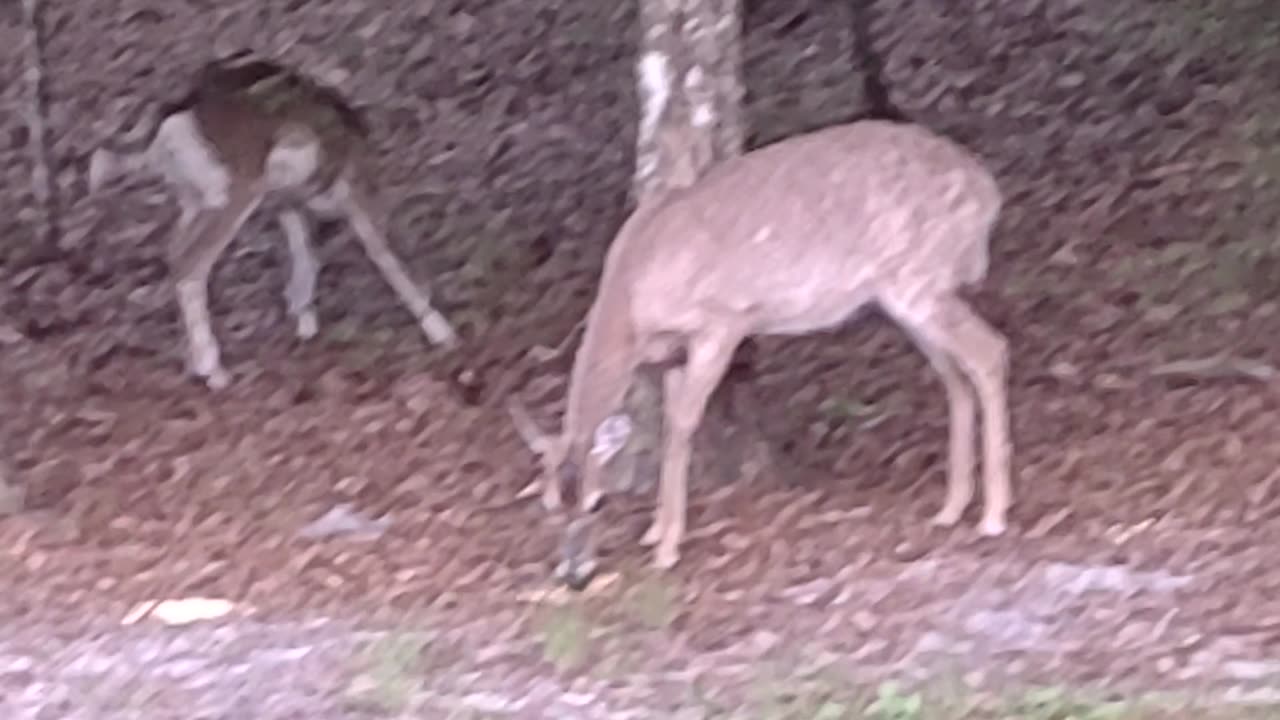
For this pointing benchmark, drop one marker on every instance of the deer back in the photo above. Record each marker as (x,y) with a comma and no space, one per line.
(793,236)
(243,108)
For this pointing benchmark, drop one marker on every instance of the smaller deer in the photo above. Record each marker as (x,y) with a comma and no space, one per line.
(788,239)
(249,129)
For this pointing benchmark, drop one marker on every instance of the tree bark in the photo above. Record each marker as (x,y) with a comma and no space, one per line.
(690,85)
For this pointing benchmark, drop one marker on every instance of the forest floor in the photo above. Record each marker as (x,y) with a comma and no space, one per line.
(1136,579)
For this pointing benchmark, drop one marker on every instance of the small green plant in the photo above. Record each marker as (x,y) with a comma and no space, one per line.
(892,703)
(566,638)
(781,702)
(391,673)
(782,693)
(1055,703)
(864,415)
(653,602)
(832,710)
(341,332)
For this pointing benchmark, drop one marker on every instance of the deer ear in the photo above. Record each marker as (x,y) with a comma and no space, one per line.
(610,437)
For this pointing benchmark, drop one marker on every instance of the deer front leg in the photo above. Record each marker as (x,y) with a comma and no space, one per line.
(299,293)
(686,391)
(672,381)
(202,237)
(361,213)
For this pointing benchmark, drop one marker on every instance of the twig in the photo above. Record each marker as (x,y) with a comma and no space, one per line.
(1217,366)
(539,354)
(526,428)
(542,353)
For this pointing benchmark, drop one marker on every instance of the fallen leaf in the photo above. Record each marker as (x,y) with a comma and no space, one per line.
(342,519)
(10,336)
(179,612)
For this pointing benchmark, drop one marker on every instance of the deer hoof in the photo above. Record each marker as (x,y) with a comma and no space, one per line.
(308,325)
(438,330)
(947,517)
(217,380)
(993,526)
(666,557)
(551,501)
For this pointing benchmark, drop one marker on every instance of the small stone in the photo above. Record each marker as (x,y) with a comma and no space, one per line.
(764,641)
(865,621)
(1071,80)
(1064,369)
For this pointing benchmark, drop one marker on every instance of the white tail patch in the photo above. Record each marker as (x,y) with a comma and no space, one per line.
(186,158)
(293,159)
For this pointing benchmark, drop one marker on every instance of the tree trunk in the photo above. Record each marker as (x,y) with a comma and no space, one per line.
(689,76)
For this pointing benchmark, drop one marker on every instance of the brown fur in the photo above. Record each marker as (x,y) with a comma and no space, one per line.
(790,239)
(248,129)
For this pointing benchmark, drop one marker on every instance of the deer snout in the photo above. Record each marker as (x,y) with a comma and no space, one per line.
(578,565)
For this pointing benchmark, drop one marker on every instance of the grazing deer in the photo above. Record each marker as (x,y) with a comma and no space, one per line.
(248,129)
(789,239)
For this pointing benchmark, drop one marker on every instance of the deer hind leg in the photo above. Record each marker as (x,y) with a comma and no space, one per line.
(304,266)
(963,414)
(368,225)
(686,391)
(203,236)
(949,326)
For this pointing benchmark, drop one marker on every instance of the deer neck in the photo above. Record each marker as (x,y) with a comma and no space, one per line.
(601,369)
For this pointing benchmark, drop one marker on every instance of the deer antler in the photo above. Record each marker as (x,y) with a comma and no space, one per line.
(538,441)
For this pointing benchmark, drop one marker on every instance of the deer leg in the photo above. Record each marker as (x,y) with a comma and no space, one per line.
(300,292)
(551,495)
(963,413)
(686,391)
(202,237)
(952,327)
(362,216)
(672,382)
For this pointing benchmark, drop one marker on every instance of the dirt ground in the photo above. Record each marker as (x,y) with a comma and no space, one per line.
(1134,272)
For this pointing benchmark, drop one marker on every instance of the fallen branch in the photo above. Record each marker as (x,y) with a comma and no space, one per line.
(1217,366)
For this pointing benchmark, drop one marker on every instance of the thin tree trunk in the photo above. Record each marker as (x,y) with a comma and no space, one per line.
(689,77)
(34,75)
(868,61)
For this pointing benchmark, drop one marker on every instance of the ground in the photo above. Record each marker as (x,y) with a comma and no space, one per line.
(1133,272)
